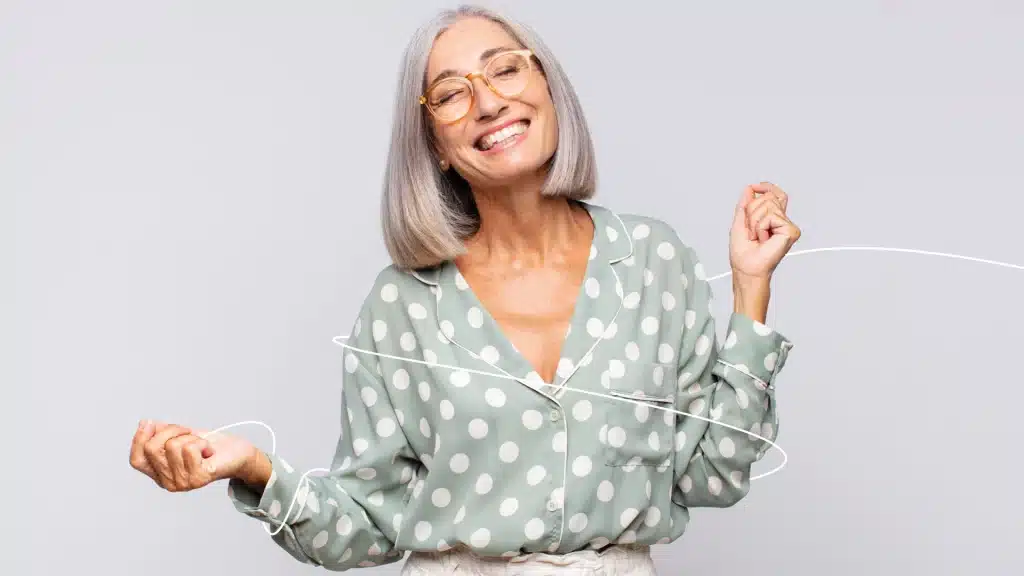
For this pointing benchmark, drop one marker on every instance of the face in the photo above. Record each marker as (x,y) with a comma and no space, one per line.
(501,139)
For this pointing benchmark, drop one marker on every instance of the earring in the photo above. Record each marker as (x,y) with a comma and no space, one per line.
(444,165)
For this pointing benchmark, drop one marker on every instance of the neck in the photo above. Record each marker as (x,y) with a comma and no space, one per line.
(521,228)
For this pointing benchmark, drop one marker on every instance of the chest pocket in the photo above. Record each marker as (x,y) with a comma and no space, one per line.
(639,431)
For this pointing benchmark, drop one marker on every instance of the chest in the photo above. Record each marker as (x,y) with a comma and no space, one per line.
(534,310)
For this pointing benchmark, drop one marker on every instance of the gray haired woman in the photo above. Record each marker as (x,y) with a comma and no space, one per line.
(533,385)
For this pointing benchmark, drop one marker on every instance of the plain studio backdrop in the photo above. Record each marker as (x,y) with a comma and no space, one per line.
(195,191)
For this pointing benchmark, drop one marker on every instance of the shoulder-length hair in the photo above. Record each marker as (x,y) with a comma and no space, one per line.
(426,213)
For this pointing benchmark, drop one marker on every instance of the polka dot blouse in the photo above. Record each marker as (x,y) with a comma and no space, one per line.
(429,458)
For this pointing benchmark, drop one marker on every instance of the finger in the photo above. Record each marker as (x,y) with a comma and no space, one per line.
(156,452)
(137,455)
(192,457)
(174,449)
(758,214)
(770,222)
(746,198)
(773,190)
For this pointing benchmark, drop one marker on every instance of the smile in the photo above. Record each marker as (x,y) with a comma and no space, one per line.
(503,138)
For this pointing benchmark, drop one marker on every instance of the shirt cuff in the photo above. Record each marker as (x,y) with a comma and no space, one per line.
(277,496)
(754,348)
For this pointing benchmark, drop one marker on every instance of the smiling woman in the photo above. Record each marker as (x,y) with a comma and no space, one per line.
(502,265)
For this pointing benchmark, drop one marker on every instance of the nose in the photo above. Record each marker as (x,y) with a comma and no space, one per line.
(488,104)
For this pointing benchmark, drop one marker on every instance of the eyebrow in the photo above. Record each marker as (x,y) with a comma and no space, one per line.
(484,57)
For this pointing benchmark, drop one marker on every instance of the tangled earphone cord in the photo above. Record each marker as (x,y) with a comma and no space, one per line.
(785,457)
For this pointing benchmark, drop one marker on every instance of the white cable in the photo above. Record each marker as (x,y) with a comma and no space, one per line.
(785,457)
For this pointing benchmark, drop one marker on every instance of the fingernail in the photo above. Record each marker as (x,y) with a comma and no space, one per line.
(142,424)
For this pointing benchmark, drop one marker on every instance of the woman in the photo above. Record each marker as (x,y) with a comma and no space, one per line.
(509,292)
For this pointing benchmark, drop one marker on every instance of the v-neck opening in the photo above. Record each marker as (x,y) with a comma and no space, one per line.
(578,309)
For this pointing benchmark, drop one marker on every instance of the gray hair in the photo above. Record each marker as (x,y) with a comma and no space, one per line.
(426,213)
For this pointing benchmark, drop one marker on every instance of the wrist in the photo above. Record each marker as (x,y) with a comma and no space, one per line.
(256,470)
(751,295)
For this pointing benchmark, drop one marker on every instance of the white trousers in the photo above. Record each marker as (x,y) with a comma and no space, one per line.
(621,560)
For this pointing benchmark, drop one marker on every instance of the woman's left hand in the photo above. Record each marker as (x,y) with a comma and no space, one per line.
(761,233)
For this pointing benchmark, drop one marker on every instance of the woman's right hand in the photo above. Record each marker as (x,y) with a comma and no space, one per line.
(179,459)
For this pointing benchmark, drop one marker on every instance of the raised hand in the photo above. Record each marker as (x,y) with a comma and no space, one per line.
(761,232)
(180,459)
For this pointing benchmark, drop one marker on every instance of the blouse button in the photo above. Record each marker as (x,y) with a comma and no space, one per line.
(555,415)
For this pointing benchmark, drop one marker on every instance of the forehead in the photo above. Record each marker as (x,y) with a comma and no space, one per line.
(460,46)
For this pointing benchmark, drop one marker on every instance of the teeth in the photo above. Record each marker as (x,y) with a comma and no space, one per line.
(488,141)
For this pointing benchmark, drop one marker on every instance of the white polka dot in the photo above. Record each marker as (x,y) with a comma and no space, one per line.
(275,508)
(443,546)
(605,491)
(508,452)
(648,277)
(665,353)
(641,231)
(602,434)
(760,329)
(459,378)
(385,427)
(653,517)
(696,407)
(714,485)
(480,538)
(649,325)
(666,251)
(613,234)
(582,410)
(616,437)
(508,507)
(460,515)
(702,345)
(400,379)
(595,327)
(727,448)
(627,537)
(632,351)
(380,330)
(475,317)
(490,354)
(686,484)
(582,466)
(344,525)
(593,252)
(736,477)
(627,516)
(423,529)
(642,413)
(680,440)
(536,475)
(376,498)
(495,397)
(429,356)
(447,330)
(535,527)
(599,542)
(668,301)
(359,445)
(460,281)
(477,428)
(417,311)
(351,363)
(769,361)
(320,539)
(631,301)
(654,442)
(741,398)
(698,271)
(730,340)
(532,419)
(592,287)
(425,427)
(766,430)
(669,417)
(484,484)
(389,293)
(610,331)
(558,441)
(447,409)
(578,523)
(616,369)
(424,391)
(459,463)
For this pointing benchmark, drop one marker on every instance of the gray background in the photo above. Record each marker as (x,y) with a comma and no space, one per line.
(195,190)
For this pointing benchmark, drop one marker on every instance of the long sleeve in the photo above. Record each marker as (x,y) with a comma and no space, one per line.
(731,384)
(351,515)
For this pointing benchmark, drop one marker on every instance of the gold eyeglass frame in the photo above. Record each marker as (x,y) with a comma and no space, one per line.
(468,79)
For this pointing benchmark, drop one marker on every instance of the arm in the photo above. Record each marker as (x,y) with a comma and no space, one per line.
(732,384)
(350,516)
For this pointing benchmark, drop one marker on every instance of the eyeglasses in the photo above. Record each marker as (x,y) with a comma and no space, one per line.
(506,74)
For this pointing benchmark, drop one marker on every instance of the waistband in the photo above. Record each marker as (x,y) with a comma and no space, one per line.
(621,559)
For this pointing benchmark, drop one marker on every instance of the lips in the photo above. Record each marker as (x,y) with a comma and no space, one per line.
(503,136)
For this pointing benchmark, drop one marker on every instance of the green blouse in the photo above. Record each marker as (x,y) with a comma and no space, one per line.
(440,450)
